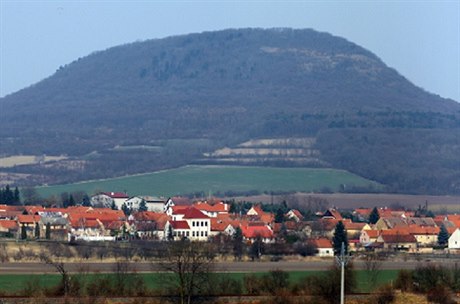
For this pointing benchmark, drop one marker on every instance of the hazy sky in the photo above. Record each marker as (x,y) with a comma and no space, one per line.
(420,39)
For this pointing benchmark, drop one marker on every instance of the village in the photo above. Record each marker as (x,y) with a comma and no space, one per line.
(114,216)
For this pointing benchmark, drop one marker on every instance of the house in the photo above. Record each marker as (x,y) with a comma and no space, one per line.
(323,227)
(362,214)
(425,235)
(85,228)
(8,228)
(106,199)
(10,212)
(179,229)
(454,240)
(253,231)
(152,203)
(212,210)
(198,222)
(354,229)
(219,226)
(368,236)
(323,247)
(148,224)
(176,201)
(385,223)
(397,240)
(332,214)
(255,210)
(53,225)
(295,215)
(28,223)
(95,224)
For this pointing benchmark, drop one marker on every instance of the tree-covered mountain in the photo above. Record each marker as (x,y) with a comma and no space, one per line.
(163,103)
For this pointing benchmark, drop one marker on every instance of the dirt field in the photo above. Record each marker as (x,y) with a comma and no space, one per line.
(351,201)
(11,161)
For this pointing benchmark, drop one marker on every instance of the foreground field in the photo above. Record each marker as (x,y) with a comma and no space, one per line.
(211,179)
(16,284)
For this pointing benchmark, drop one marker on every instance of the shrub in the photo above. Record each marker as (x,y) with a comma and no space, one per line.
(275,281)
(425,277)
(404,280)
(252,284)
(440,295)
(385,295)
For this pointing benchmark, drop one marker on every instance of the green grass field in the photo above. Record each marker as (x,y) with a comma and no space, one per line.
(16,284)
(210,179)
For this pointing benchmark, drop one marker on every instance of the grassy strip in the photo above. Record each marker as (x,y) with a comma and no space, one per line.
(192,179)
(12,284)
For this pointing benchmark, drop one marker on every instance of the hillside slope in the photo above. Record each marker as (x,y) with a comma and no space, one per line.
(192,94)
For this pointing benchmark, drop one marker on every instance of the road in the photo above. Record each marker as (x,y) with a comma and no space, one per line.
(37,268)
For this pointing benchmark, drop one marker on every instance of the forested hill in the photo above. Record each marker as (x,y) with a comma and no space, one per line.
(190,94)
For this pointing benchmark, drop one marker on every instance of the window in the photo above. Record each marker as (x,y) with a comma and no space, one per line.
(193,233)
(206,224)
(202,233)
(205,233)
(202,224)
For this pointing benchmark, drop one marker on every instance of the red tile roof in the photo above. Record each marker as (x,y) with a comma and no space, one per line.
(332,213)
(257,209)
(179,224)
(84,223)
(218,207)
(372,233)
(321,243)
(363,211)
(116,194)
(26,218)
(9,224)
(297,213)
(191,213)
(353,226)
(252,232)
(11,208)
(423,230)
(401,238)
(34,209)
(218,225)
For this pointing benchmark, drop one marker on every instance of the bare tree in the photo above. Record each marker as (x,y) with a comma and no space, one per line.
(373,265)
(60,267)
(191,264)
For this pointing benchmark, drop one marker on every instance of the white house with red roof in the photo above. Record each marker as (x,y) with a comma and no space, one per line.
(323,247)
(252,232)
(222,226)
(198,222)
(212,210)
(256,210)
(179,229)
(295,215)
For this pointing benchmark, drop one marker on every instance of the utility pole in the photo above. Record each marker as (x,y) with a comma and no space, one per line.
(342,260)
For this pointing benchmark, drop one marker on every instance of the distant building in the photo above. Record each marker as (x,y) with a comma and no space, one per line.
(153,203)
(106,199)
